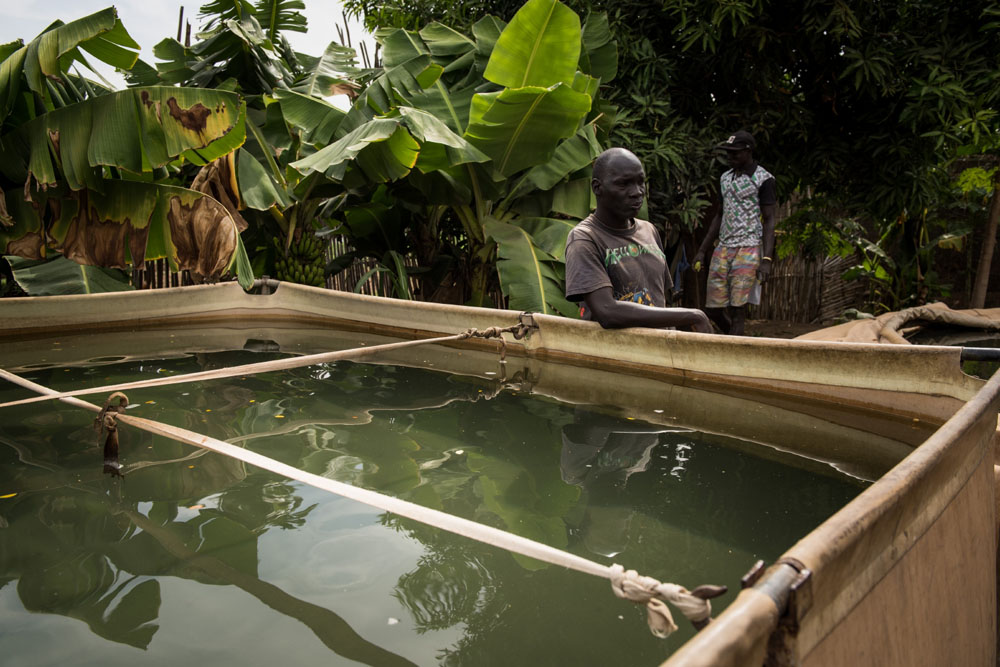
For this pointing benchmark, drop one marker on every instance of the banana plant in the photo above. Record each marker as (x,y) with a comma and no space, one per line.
(493,133)
(235,49)
(85,168)
(242,47)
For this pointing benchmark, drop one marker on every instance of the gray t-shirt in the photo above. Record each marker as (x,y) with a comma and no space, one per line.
(629,261)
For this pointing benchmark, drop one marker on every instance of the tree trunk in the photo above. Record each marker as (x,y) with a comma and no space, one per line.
(989,243)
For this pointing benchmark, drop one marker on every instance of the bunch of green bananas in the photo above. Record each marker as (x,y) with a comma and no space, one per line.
(304,262)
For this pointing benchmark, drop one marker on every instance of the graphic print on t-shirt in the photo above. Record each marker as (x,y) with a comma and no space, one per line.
(630,261)
(614,255)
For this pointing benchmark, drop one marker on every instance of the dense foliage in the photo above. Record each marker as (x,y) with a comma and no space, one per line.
(455,151)
(861,110)
(464,146)
(90,173)
(861,105)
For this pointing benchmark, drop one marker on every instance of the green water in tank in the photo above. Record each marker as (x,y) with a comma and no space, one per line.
(194,558)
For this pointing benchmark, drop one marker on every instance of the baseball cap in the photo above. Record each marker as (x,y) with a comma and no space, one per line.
(738,141)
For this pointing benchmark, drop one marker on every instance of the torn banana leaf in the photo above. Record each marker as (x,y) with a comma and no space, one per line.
(128,223)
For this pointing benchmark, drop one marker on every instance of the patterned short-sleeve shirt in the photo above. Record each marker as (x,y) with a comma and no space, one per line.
(741,223)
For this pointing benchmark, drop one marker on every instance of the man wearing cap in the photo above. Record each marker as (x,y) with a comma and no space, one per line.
(614,261)
(744,226)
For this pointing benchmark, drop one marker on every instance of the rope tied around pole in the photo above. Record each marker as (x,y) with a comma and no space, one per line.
(107,421)
(695,605)
(519,331)
(107,418)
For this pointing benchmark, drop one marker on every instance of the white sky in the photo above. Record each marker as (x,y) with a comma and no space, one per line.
(149,21)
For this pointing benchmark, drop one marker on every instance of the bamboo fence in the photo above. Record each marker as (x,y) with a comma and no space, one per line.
(158,275)
(800,289)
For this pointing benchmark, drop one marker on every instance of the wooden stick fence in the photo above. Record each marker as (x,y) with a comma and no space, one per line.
(157,275)
(803,289)
(799,290)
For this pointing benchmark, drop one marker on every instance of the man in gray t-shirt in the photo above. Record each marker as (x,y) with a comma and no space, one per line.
(630,261)
(615,264)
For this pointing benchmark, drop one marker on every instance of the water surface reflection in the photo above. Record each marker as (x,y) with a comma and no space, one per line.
(289,565)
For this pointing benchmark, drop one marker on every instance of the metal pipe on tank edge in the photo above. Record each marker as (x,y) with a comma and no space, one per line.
(981,354)
(757,619)
(265,284)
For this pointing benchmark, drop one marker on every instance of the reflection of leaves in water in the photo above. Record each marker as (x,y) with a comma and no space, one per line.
(284,504)
(53,547)
(264,501)
(531,507)
(448,587)
(124,613)
(208,533)
(379,427)
(462,583)
(456,582)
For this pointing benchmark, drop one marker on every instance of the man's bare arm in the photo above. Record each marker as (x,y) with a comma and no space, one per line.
(613,314)
(767,214)
(710,236)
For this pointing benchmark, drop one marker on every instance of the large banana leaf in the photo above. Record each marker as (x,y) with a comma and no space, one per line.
(386,149)
(395,158)
(52,53)
(8,49)
(126,224)
(256,187)
(572,155)
(102,131)
(539,47)
(599,56)
(327,73)
(586,84)
(400,83)
(530,277)
(433,133)
(316,119)
(62,276)
(278,15)
(549,234)
(399,46)
(450,106)
(521,127)
(487,31)
(227,142)
(237,50)
(444,41)
(420,81)
(273,15)
(574,198)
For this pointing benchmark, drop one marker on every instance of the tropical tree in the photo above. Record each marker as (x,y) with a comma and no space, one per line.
(88,172)
(989,182)
(242,48)
(483,141)
(860,104)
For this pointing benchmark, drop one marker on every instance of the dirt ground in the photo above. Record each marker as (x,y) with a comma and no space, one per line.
(779,328)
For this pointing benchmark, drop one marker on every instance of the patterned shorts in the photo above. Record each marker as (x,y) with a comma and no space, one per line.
(732,277)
